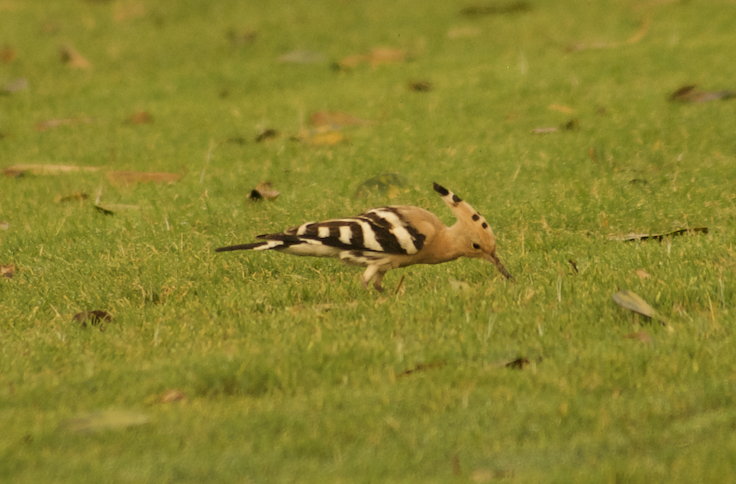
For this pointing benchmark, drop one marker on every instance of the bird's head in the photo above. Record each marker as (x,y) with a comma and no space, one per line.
(473,236)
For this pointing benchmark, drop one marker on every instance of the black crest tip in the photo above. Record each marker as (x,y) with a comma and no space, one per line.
(440,189)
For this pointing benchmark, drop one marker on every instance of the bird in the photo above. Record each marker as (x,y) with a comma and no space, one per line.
(390,237)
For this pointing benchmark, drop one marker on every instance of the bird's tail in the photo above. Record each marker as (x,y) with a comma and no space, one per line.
(252,246)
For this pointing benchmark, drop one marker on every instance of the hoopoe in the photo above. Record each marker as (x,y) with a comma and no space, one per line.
(390,237)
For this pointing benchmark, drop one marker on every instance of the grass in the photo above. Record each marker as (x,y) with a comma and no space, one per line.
(292,371)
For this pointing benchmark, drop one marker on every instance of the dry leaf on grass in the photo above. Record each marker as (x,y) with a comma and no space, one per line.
(263,191)
(560,108)
(634,236)
(111,208)
(302,57)
(7,271)
(642,274)
(376,57)
(456,470)
(55,123)
(142,117)
(422,367)
(689,94)
(173,395)
(634,39)
(518,364)
(420,86)
(18,84)
(129,177)
(35,169)
(336,119)
(389,185)
(7,54)
(482,476)
(104,420)
(128,10)
(71,57)
(267,134)
(96,317)
(320,137)
(633,302)
(571,125)
(642,336)
(4,225)
(74,197)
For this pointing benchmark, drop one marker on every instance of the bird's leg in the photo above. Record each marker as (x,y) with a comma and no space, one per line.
(377,281)
(369,273)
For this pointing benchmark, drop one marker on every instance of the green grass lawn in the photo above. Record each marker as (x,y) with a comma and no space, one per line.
(288,371)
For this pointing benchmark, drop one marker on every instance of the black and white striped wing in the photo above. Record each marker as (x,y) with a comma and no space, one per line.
(361,240)
(382,230)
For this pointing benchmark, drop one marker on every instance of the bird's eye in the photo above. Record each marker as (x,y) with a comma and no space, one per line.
(476,246)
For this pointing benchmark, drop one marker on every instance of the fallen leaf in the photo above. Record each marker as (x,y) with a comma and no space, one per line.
(352,61)
(387,184)
(7,54)
(12,172)
(382,55)
(240,38)
(336,119)
(422,367)
(634,39)
(19,84)
(634,236)
(15,170)
(572,125)
(376,57)
(642,336)
(263,191)
(689,94)
(74,197)
(642,274)
(55,123)
(103,210)
(173,395)
(456,470)
(552,129)
(71,57)
(128,177)
(518,363)
(95,318)
(142,117)
(111,208)
(631,301)
(128,10)
(324,139)
(481,476)
(4,225)
(513,7)
(104,420)
(266,135)
(7,271)
(561,108)
(302,57)
(420,86)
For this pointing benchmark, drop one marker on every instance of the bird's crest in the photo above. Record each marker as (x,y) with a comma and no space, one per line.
(464,212)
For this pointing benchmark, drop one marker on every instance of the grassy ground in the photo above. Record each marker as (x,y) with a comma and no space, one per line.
(291,371)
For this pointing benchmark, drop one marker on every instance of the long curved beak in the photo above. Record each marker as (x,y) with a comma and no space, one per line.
(493,259)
